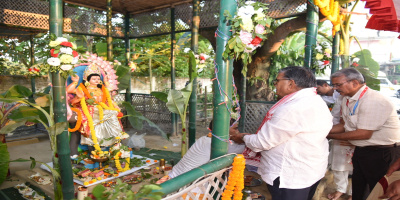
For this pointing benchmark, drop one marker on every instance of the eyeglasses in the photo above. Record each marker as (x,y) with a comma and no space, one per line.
(277,80)
(339,84)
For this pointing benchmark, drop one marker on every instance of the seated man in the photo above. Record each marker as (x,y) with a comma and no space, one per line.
(200,152)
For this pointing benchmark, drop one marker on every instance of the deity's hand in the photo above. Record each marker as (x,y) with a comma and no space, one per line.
(75,78)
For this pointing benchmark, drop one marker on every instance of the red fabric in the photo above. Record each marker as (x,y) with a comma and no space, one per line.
(384,15)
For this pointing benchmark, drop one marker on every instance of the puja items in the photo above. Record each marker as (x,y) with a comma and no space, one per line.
(28,193)
(82,192)
(39,179)
(84,173)
(162,164)
(133,179)
(96,173)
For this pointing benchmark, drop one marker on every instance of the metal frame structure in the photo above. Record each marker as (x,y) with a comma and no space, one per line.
(143,19)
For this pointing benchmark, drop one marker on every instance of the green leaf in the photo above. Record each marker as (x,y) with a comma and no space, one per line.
(28,113)
(124,76)
(101,49)
(98,191)
(57,128)
(18,91)
(4,164)
(178,100)
(11,126)
(33,164)
(161,96)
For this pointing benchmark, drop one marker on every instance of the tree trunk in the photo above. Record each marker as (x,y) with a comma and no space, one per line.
(259,67)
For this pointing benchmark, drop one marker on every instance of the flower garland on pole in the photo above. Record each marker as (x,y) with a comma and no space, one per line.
(323,58)
(63,56)
(331,10)
(249,28)
(235,183)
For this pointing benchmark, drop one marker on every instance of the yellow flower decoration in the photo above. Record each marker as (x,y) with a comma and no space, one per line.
(248,24)
(319,56)
(54,43)
(65,58)
(235,183)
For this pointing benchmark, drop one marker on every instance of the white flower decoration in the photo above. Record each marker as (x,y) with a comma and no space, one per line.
(54,61)
(74,60)
(66,50)
(319,48)
(61,39)
(125,154)
(356,59)
(66,67)
(246,11)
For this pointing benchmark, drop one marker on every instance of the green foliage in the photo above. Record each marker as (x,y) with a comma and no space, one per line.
(290,53)
(368,67)
(123,190)
(235,48)
(5,158)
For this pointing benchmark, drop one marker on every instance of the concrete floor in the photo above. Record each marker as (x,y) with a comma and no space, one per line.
(39,148)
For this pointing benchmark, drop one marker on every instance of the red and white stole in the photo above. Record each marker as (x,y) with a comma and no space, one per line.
(253,158)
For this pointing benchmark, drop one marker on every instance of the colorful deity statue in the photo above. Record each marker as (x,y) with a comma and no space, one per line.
(97,114)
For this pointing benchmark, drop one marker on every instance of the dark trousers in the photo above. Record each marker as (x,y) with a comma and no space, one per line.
(369,165)
(291,194)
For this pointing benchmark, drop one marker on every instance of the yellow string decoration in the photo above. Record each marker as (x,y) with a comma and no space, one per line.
(235,183)
(78,122)
(101,114)
(90,123)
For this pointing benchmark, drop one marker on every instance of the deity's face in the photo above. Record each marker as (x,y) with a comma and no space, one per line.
(94,80)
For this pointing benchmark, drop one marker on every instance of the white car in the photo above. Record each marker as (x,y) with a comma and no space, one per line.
(387,88)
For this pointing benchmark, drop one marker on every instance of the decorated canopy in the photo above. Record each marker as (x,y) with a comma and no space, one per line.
(385,15)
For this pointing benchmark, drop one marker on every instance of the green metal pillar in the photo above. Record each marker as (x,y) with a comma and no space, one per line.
(242,102)
(60,111)
(109,31)
(128,96)
(311,33)
(335,53)
(224,75)
(192,73)
(174,120)
(32,56)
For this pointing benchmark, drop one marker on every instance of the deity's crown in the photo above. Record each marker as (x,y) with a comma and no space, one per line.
(91,69)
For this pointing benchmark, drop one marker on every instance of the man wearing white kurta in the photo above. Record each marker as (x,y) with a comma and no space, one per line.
(292,138)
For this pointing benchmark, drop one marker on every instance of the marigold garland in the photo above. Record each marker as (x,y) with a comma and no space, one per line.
(101,113)
(118,163)
(79,120)
(235,183)
(90,123)
(331,9)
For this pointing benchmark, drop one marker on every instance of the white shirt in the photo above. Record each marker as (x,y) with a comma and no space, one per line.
(199,154)
(331,99)
(374,112)
(293,142)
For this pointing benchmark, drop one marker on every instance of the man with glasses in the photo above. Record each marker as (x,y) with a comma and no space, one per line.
(341,151)
(290,144)
(370,122)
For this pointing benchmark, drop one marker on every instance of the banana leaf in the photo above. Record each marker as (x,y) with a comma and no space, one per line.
(17,91)
(161,96)
(178,100)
